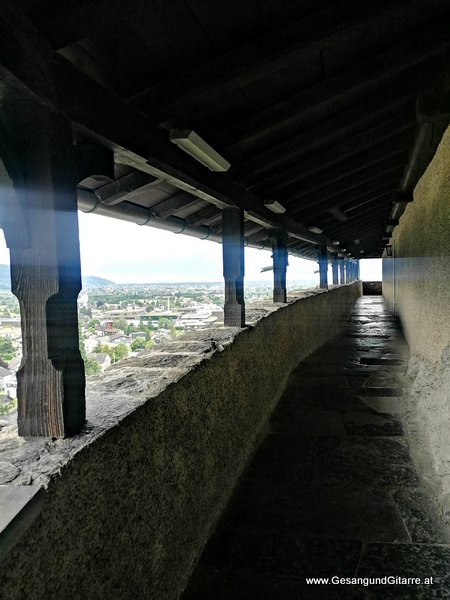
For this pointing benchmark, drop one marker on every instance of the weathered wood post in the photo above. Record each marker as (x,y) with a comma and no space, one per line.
(233,266)
(346,271)
(352,270)
(334,268)
(323,267)
(45,272)
(280,261)
(341,271)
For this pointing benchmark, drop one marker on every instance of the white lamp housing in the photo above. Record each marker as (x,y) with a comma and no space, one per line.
(274,206)
(313,229)
(193,144)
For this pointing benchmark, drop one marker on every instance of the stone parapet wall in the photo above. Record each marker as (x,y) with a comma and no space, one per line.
(130,503)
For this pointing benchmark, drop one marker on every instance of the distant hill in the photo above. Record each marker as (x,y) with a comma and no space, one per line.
(5,280)
(93,280)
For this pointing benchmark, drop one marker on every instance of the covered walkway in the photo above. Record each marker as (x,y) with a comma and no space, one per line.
(331,491)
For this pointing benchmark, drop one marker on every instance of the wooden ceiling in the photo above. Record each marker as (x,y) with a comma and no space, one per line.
(313,102)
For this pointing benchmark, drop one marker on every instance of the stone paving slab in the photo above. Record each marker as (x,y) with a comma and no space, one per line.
(343,512)
(382,462)
(310,423)
(407,560)
(284,456)
(290,556)
(419,515)
(246,584)
(367,423)
(332,489)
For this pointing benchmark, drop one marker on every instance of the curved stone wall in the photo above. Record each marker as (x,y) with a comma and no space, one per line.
(130,503)
(416,285)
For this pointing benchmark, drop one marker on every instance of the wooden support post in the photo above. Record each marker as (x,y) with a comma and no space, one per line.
(346,271)
(233,266)
(358,273)
(280,262)
(46,275)
(341,271)
(323,267)
(334,268)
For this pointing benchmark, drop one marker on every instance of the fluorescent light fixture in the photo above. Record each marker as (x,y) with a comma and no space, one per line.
(195,146)
(274,206)
(314,229)
(335,243)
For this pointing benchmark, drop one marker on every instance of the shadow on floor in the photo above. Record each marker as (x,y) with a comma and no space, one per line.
(331,491)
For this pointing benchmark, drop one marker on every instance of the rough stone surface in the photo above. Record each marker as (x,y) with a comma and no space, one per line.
(421,244)
(131,501)
(422,249)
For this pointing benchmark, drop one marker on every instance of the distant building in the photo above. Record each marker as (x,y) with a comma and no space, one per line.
(102,359)
(8,382)
(199,318)
(14,363)
(120,338)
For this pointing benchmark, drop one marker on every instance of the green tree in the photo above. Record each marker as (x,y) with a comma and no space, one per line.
(85,311)
(120,324)
(149,344)
(91,366)
(119,352)
(165,323)
(6,349)
(102,348)
(138,344)
(93,323)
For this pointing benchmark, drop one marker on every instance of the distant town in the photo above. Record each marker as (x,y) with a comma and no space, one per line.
(121,320)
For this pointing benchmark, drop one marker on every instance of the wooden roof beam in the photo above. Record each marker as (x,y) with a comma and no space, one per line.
(355,223)
(204,216)
(329,132)
(327,197)
(266,55)
(118,190)
(325,203)
(30,70)
(363,168)
(168,207)
(356,203)
(388,130)
(365,77)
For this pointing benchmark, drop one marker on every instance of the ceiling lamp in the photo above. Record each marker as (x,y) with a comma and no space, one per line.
(195,146)
(274,206)
(313,229)
(335,243)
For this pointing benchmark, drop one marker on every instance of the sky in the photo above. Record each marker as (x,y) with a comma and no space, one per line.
(128,253)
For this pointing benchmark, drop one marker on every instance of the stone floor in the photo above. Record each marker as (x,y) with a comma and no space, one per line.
(332,491)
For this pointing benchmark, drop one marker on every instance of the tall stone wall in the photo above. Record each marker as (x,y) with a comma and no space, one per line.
(416,285)
(130,504)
